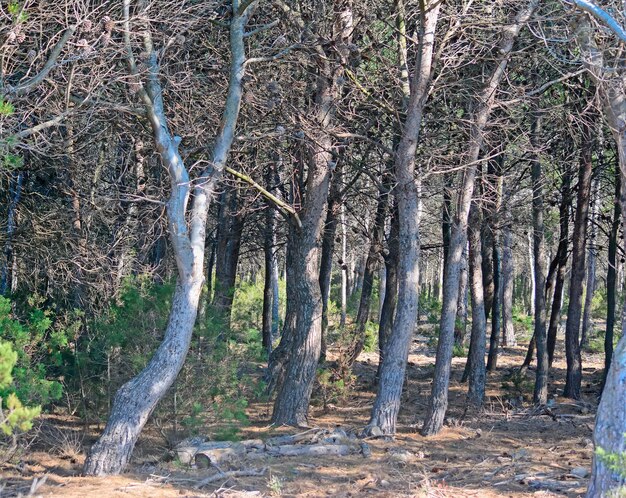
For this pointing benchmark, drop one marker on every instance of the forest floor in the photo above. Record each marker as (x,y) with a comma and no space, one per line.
(508,449)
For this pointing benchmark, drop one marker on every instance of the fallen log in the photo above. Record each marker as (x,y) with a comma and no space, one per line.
(227,475)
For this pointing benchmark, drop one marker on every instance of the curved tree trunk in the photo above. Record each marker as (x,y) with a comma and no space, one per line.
(136,399)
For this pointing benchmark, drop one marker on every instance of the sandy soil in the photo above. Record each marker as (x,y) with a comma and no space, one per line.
(508,449)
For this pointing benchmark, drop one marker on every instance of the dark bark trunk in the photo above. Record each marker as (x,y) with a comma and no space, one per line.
(460,326)
(476,357)
(371,266)
(487,265)
(495,168)
(229,232)
(611,275)
(388,309)
(15,192)
(294,362)
(574,310)
(540,395)
(561,257)
(326,263)
(590,285)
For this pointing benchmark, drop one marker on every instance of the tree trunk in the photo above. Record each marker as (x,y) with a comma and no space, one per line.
(388,309)
(561,256)
(533,279)
(540,395)
(15,192)
(438,402)
(393,367)
(136,399)
(574,310)
(476,357)
(507,287)
(611,278)
(496,314)
(460,326)
(373,258)
(591,267)
(294,363)
(328,247)
(229,232)
(270,291)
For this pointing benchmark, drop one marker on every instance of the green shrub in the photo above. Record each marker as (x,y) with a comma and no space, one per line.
(40,347)
(459,351)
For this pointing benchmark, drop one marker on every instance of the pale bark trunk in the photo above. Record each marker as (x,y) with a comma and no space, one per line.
(460,326)
(136,399)
(344,271)
(476,358)
(393,366)
(438,402)
(507,287)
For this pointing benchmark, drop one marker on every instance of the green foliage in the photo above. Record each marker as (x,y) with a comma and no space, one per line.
(371,337)
(14,416)
(518,384)
(6,108)
(39,346)
(214,385)
(17,13)
(523,321)
(332,386)
(431,307)
(459,351)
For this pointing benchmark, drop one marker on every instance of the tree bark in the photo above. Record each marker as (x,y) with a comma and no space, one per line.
(438,402)
(574,310)
(507,287)
(561,256)
(270,291)
(136,399)
(495,168)
(590,286)
(393,367)
(611,275)
(294,362)
(371,266)
(388,309)
(460,325)
(540,395)
(476,357)
(229,232)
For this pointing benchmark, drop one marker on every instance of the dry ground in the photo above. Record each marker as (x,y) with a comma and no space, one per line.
(509,449)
